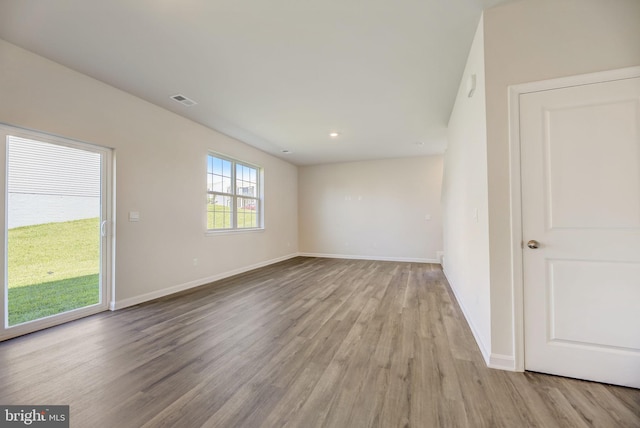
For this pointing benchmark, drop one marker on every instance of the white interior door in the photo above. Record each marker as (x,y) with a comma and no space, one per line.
(580,166)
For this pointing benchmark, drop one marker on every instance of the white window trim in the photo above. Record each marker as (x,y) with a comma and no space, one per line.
(234,197)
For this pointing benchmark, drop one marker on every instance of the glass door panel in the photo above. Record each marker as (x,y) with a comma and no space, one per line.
(55,231)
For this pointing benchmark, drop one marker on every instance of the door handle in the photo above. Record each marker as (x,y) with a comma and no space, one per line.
(533,244)
(103,228)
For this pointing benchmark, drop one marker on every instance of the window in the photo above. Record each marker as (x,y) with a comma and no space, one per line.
(233,195)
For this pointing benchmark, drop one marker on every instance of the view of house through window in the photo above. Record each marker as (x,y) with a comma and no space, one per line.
(233,194)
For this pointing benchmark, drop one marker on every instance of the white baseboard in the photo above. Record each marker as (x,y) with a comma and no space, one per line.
(377,258)
(486,353)
(502,362)
(131,301)
(492,360)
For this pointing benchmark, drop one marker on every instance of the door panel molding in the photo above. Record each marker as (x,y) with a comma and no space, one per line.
(517,278)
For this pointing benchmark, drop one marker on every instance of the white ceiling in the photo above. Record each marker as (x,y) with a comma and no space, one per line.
(277,74)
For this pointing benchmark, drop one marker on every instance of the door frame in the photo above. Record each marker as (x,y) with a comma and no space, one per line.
(107,241)
(515,186)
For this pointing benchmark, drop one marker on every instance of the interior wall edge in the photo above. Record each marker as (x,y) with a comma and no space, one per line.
(484,350)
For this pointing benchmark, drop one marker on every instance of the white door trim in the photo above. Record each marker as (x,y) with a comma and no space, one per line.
(517,281)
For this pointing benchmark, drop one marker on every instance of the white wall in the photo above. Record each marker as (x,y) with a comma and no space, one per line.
(534,40)
(464,192)
(160,172)
(372,209)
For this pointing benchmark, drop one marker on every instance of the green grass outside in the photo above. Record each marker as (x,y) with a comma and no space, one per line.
(40,300)
(216,218)
(53,268)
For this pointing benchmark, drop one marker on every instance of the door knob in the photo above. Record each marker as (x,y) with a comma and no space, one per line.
(533,244)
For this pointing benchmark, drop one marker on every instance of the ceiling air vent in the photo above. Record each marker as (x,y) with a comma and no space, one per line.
(183,100)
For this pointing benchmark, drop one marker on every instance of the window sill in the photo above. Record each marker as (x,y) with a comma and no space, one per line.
(233,231)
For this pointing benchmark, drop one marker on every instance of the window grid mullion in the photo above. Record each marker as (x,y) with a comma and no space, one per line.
(234,213)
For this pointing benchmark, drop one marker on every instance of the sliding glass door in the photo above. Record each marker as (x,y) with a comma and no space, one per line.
(57,231)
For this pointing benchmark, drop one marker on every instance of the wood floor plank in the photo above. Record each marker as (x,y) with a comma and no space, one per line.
(308,342)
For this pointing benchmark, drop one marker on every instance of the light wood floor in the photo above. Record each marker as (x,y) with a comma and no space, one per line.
(303,343)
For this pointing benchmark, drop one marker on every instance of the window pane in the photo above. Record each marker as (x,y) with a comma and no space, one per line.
(216,184)
(219,175)
(245,188)
(247,213)
(226,185)
(219,210)
(217,165)
(246,181)
(226,168)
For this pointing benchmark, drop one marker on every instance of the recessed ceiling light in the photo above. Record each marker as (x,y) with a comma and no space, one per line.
(419,143)
(334,134)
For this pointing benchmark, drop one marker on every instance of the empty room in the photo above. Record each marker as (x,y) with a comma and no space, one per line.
(303,214)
